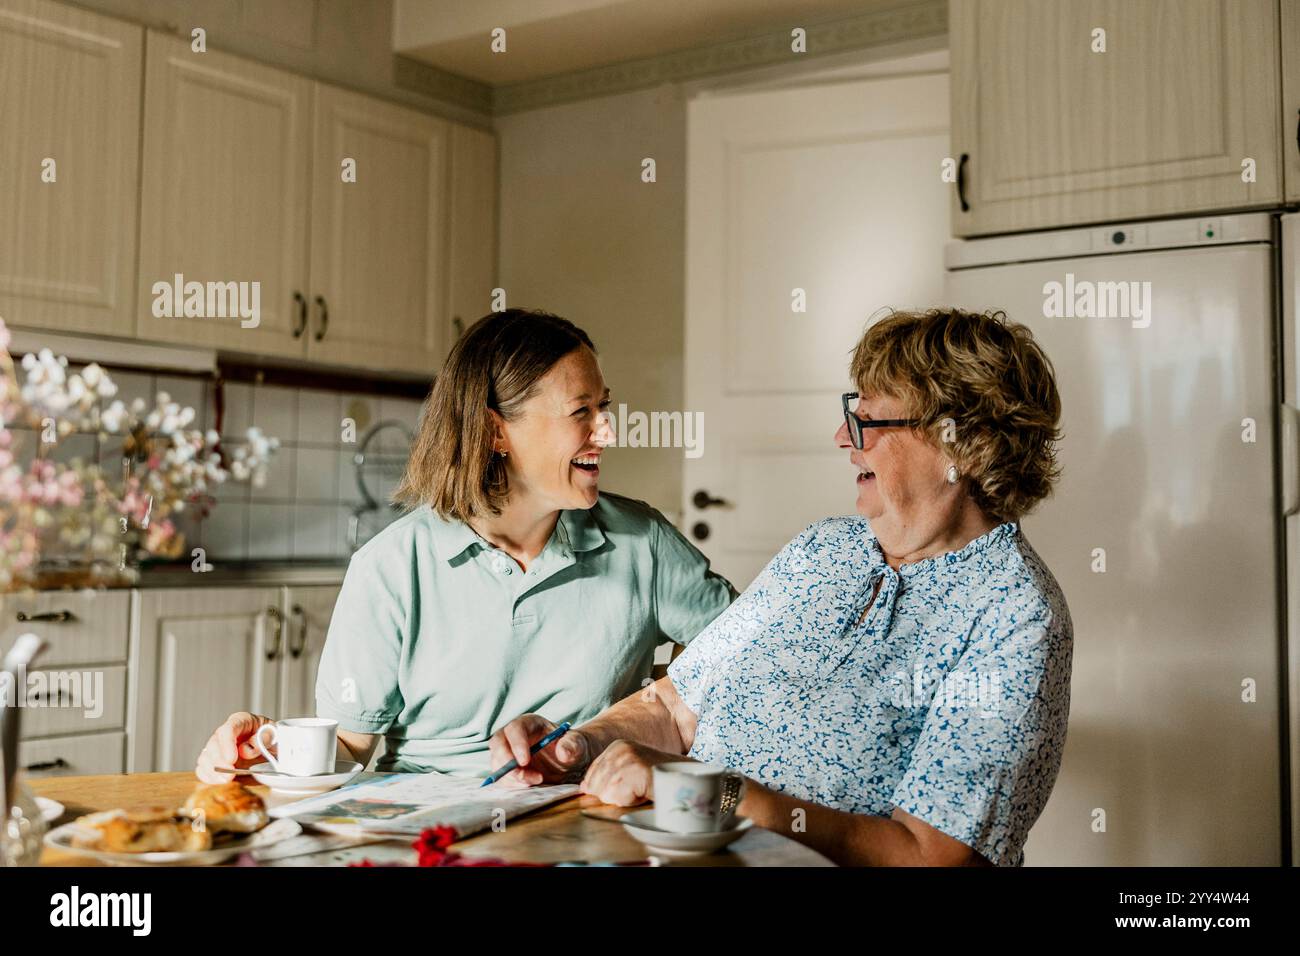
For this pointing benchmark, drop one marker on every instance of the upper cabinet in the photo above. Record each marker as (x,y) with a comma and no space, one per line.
(342,207)
(1290,23)
(70,99)
(224,198)
(276,216)
(1098,110)
(379,221)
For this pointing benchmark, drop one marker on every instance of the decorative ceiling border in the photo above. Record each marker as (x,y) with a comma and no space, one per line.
(420,77)
(924,18)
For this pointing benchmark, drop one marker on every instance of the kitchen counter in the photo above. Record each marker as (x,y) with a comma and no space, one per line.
(245,573)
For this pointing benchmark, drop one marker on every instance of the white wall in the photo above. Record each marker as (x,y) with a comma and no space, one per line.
(584,237)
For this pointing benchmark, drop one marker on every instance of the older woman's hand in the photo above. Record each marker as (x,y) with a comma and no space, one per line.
(624,774)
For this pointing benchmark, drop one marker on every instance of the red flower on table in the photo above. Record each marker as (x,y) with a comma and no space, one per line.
(432,849)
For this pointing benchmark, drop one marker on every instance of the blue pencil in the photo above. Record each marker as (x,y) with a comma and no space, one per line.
(513,764)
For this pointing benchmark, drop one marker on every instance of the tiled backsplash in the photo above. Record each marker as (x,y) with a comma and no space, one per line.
(311,492)
(304,508)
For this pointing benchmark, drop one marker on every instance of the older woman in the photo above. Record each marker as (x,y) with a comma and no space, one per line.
(895,687)
(512,583)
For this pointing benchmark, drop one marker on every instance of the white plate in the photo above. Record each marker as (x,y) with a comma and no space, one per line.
(344,770)
(641,824)
(273,832)
(51,810)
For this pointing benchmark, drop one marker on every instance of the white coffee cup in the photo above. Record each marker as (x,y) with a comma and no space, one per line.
(304,746)
(688,797)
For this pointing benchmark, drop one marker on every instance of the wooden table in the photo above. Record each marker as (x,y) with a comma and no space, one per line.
(553,834)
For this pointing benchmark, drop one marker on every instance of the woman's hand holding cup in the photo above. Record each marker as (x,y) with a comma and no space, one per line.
(231,745)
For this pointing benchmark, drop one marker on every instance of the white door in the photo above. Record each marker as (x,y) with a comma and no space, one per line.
(1290,504)
(832,192)
(1161,534)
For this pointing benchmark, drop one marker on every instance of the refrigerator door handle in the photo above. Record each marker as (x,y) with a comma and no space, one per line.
(1290,460)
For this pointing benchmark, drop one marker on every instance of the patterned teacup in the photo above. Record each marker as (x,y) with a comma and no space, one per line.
(689,798)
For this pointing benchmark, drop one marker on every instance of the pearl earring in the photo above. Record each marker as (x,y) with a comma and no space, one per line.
(952,474)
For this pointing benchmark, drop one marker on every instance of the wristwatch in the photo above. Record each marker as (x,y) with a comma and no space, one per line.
(733,788)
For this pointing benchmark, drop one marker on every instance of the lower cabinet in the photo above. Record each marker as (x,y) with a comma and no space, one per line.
(73,716)
(73,756)
(201,654)
(309,611)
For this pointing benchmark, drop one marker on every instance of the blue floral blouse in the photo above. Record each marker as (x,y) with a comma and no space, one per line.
(949,699)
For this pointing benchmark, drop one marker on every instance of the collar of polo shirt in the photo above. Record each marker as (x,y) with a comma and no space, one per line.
(452,537)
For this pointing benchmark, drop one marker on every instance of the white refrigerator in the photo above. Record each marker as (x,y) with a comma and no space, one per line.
(1173,531)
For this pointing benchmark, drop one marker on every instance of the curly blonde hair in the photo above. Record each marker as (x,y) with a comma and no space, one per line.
(982,389)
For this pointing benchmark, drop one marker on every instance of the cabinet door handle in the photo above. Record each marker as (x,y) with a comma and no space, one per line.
(274,614)
(56,617)
(1297,130)
(458,325)
(54,764)
(324,317)
(961,182)
(301,301)
(295,650)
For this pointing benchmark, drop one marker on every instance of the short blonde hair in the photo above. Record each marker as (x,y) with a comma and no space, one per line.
(982,389)
(495,366)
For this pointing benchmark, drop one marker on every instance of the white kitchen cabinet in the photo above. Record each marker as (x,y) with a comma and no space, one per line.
(1290,26)
(69,160)
(1049,133)
(378,244)
(76,723)
(341,206)
(473,254)
(200,654)
(73,756)
(204,653)
(307,621)
(224,195)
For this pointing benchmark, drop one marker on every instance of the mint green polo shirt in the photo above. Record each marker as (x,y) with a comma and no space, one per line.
(438,639)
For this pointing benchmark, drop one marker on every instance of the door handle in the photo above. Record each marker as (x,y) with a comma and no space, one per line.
(703,500)
(274,614)
(1290,459)
(55,617)
(55,764)
(296,649)
(301,302)
(961,182)
(324,317)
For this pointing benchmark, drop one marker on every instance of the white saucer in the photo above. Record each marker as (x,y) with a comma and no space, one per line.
(641,825)
(274,832)
(344,770)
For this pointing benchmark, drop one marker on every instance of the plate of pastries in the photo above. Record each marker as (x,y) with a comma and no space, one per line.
(216,822)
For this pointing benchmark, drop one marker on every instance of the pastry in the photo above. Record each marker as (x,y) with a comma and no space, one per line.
(227,808)
(156,830)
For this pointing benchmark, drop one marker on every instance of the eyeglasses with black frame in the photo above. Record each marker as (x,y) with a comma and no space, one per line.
(856,424)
